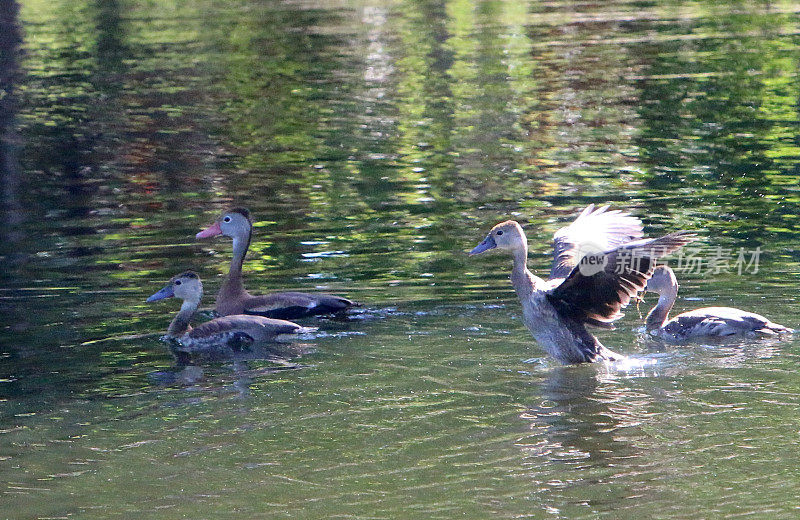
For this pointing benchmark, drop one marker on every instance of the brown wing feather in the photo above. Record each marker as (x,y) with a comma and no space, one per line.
(288,305)
(242,323)
(274,301)
(599,228)
(601,296)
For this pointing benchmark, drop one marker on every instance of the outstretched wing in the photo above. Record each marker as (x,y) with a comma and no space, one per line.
(596,229)
(597,296)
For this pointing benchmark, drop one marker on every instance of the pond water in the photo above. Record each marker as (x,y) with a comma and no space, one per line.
(375,143)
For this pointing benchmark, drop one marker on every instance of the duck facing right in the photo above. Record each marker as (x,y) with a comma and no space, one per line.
(706,322)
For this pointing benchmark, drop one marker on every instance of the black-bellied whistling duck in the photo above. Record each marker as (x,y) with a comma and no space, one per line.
(234,299)
(700,323)
(232,331)
(600,262)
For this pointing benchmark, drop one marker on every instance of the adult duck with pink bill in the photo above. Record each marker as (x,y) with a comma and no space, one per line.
(234,299)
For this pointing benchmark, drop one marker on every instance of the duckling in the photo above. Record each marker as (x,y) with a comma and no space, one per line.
(600,262)
(700,323)
(234,299)
(233,331)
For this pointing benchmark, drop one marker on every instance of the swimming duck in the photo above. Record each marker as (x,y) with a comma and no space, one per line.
(705,322)
(234,299)
(233,331)
(600,262)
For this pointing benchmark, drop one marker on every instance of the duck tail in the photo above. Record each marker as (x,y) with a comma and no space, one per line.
(774,329)
(586,349)
(594,351)
(605,354)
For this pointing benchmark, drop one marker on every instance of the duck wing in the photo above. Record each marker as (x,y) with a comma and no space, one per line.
(251,326)
(596,296)
(597,229)
(290,305)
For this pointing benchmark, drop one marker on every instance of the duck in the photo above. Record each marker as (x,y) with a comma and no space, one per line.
(232,298)
(600,262)
(706,322)
(235,331)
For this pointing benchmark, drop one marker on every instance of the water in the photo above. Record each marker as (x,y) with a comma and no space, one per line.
(375,143)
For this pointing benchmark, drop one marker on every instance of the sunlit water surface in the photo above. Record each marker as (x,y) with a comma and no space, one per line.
(375,143)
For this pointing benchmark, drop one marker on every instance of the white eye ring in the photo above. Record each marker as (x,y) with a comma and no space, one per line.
(226,219)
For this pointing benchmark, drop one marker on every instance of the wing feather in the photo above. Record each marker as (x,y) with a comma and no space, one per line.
(599,228)
(241,323)
(601,296)
(289,305)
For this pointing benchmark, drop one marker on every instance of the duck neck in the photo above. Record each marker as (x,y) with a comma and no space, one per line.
(520,276)
(240,246)
(659,315)
(233,282)
(180,324)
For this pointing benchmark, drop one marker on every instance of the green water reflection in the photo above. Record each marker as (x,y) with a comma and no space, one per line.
(375,142)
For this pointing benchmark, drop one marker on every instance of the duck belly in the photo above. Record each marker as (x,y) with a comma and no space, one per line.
(222,342)
(567,342)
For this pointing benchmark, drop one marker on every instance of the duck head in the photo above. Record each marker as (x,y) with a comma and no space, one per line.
(663,281)
(186,286)
(506,235)
(234,223)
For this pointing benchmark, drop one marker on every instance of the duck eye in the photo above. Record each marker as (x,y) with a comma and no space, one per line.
(500,232)
(226,219)
(177,282)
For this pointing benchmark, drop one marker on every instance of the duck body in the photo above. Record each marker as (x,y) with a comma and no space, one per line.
(236,330)
(566,339)
(706,322)
(233,332)
(579,292)
(718,322)
(283,305)
(234,299)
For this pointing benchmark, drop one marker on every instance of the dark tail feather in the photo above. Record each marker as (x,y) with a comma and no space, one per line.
(662,246)
(593,351)
(773,329)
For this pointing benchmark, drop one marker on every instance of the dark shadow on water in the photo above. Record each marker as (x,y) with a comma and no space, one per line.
(10,141)
(190,367)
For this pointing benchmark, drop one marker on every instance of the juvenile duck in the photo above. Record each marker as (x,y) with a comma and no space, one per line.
(229,331)
(234,299)
(599,264)
(699,323)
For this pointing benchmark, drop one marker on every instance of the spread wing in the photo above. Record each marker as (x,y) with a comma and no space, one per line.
(597,295)
(599,229)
